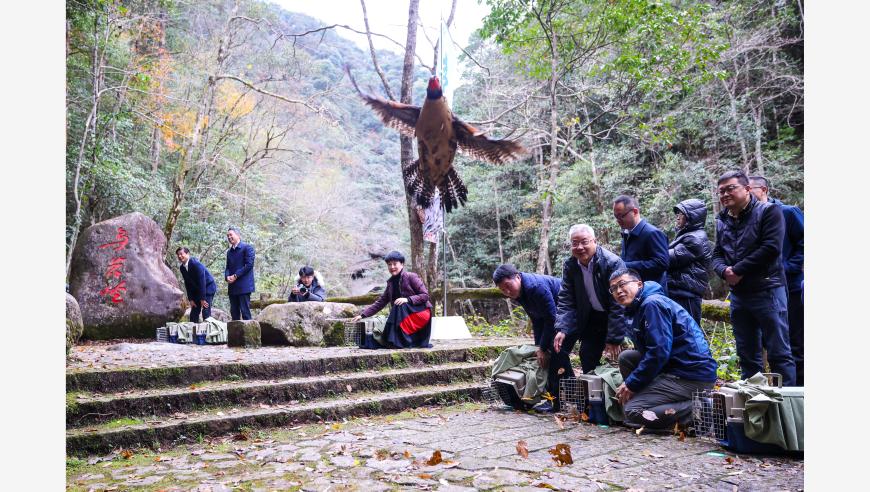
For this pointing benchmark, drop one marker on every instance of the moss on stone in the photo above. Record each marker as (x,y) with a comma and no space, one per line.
(122,422)
(398,360)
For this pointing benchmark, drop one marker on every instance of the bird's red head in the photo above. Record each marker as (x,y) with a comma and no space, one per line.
(434,84)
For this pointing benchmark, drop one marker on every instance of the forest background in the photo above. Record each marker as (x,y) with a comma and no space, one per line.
(207,114)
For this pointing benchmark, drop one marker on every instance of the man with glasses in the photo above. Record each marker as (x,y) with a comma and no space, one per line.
(793,262)
(671,361)
(644,246)
(749,236)
(585,310)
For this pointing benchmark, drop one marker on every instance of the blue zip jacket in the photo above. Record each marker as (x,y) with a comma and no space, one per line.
(240,262)
(792,245)
(645,249)
(668,339)
(538,296)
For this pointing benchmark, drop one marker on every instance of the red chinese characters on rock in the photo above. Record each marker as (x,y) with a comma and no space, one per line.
(115,269)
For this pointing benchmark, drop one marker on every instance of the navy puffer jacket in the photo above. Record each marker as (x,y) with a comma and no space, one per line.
(668,339)
(690,252)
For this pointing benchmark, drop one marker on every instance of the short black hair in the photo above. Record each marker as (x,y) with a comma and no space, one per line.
(631,272)
(183,248)
(627,201)
(394,256)
(738,174)
(504,271)
(305,271)
(761,179)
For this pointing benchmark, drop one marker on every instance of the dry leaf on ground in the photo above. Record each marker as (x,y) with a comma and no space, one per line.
(639,431)
(523,449)
(562,454)
(126,454)
(559,422)
(407,454)
(435,459)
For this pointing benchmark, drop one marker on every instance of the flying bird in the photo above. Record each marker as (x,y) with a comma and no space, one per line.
(439,133)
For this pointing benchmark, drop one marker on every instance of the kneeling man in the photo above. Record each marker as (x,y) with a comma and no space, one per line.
(672,359)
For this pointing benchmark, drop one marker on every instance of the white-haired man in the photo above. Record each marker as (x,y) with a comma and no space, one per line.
(586,311)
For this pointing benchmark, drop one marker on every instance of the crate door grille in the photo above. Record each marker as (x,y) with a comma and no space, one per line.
(571,395)
(352,333)
(708,415)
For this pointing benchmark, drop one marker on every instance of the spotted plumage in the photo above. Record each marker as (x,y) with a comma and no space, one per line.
(439,134)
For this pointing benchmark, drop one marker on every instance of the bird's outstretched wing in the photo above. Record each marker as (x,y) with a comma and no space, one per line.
(473,142)
(402,117)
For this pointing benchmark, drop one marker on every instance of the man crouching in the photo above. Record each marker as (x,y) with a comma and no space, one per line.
(672,359)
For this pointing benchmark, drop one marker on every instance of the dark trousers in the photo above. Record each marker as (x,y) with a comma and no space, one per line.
(668,397)
(240,306)
(761,318)
(692,305)
(796,333)
(592,340)
(195,311)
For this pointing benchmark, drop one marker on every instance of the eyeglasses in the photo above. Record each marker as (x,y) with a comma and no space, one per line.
(584,243)
(622,215)
(727,190)
(619,285)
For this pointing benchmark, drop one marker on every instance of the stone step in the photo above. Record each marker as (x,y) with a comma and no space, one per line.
(121,379)
(102,439)
(85,410)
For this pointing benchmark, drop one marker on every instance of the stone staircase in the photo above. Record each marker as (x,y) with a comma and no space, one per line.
(160,406)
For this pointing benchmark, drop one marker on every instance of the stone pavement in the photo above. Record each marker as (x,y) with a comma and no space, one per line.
(478,446)
(109,356)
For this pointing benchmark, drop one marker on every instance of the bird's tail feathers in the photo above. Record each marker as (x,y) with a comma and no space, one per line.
(453,191)
(416,184)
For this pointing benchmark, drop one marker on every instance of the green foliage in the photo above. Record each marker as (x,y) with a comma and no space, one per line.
(517,325)
(720,337)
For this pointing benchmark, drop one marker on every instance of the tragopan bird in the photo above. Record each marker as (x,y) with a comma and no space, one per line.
(439,132)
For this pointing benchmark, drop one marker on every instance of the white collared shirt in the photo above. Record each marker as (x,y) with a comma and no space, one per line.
(185,264)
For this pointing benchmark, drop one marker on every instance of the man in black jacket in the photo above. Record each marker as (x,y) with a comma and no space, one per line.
(644,246)
(198,282)
(586,311)
(689,257)
(749,235)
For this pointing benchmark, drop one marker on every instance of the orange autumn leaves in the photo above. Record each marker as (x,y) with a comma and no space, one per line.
(561,453)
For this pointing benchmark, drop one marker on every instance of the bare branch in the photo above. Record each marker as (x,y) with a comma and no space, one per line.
(253,87)
(374,57)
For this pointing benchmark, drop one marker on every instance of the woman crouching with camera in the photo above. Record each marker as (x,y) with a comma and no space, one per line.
(307,287)
(410,322)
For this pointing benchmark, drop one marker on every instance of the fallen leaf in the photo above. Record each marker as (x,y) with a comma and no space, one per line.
(650,415)
(241,436)
(547,396)
(670,411)
(349,388)
(544,485)
(126,454)
(336,426)
(584,417)
(729,460)
(523,449)
(407,454)
(435,459)
(425,476)
(561,371)
(382,454)
(682,436)
(639,431)
(559,422)
(193,386)
(562,454)
(649,453)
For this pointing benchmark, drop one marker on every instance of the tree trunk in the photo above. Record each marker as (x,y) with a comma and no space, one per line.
(759,158)
(736,120)
(406,147)
(547,211)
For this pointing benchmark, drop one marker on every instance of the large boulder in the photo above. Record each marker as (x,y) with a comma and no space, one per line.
(216,313)
(74,325)
(121,281)
(305,323)
(244,333)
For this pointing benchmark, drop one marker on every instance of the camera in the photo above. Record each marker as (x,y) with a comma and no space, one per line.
(302,289)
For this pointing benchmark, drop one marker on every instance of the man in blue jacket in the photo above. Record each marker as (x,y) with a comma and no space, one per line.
(644,246)
(239,275)
(537,294)
(198,282)
(672,359)
(585,311)
(793,262)
(749,237)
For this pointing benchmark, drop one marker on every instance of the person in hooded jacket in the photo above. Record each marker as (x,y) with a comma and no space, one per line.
(308,286)
(671,359)
(690,255)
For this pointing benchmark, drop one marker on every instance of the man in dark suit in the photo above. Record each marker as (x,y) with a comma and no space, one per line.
(198,282)
(239,275)
(585,310)
(644,246)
